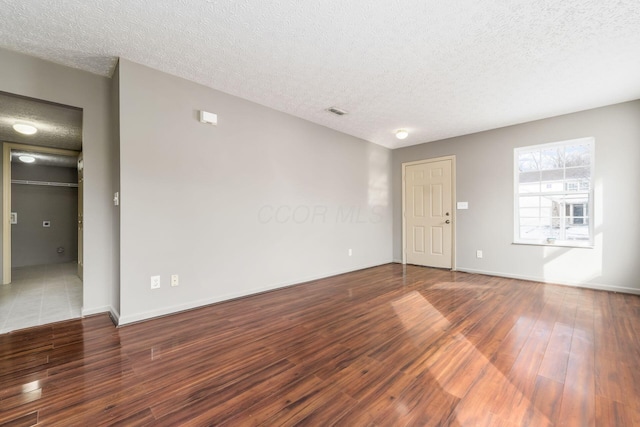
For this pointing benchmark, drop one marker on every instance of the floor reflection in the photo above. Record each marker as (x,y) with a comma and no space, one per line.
(461,370)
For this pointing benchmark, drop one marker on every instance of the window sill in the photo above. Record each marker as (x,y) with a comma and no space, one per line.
(562,244)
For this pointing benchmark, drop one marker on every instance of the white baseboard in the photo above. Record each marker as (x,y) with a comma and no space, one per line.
(115,316)
(96,310)
(596,286)
(137,317)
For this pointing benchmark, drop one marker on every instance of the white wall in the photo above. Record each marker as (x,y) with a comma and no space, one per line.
(261,201)
(28,76)
(485,180)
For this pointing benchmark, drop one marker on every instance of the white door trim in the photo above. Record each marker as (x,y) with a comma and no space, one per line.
(6,197)
(453,207)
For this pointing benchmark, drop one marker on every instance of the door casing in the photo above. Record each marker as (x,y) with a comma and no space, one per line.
(453,205)
(80,216)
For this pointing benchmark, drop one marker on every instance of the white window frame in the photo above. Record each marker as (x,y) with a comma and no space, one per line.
(517,194)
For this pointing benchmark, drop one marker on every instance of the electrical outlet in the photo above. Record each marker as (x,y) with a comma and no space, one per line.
(478,254)
(174,280)
(350,252)
(155,282)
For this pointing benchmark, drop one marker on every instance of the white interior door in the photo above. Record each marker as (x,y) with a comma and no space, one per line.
(428,214)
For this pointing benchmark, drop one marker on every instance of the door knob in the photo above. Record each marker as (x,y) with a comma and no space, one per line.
(447,222)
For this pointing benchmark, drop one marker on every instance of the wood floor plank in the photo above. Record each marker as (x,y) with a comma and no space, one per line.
(26,420)
(556,356)
(217,401)
(578,397)
(612,413)
(546,398)
(392,345)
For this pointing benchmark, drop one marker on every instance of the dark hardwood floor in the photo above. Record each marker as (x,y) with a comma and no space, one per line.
(386,346)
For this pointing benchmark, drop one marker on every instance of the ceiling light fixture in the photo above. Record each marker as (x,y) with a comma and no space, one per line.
(25,128)
(401,134)
(27,159)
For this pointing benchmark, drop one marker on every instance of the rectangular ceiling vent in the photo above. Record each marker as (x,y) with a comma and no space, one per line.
(336,111)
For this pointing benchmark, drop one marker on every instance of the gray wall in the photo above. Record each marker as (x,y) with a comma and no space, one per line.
(485,180)
(31,243)
(263,200)
(35,172)
(28,76)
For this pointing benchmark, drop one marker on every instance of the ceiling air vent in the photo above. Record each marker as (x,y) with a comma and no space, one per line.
(336,111)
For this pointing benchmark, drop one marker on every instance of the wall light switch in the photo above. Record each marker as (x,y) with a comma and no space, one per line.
(14,217)
(463,205)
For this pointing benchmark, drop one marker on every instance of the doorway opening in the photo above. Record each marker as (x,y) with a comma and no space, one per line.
(42,207)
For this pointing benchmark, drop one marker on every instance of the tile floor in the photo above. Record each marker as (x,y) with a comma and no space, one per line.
(39,295)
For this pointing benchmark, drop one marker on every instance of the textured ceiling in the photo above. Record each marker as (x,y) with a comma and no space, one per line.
(437,68)
(58,125)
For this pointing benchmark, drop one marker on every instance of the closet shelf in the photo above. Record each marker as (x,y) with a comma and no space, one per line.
(45,183)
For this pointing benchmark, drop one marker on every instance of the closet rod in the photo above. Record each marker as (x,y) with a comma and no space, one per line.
(46,183)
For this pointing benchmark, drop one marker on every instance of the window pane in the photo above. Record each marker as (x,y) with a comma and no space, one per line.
(553,185)
(577,185)
(529,161)
(578,210)
(578,155)
(529,177)
(553,176)
(540,232)
(546,211)
(529,212)
(529,202)
(530,222)
(533,187)
(552,158)
(533,232)
(572,186)
(576,198)
(578,232)
(555,233)
(579,173)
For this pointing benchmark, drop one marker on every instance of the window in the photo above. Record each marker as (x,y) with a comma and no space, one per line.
(554,193)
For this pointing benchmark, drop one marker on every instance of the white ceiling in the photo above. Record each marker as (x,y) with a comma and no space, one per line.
(437,68)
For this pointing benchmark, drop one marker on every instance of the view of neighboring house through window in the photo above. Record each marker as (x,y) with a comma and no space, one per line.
(554,193)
